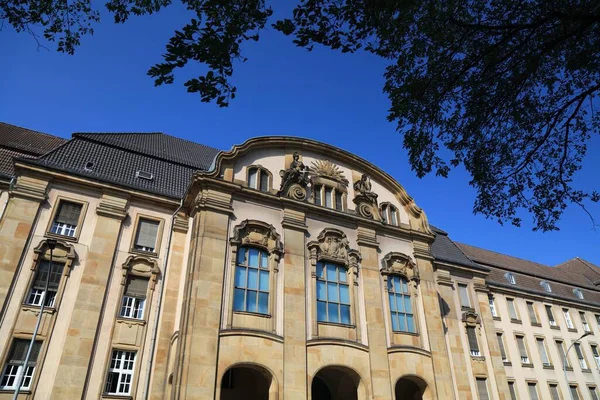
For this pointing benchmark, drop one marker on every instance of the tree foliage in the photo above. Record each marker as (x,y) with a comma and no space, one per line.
(505,88)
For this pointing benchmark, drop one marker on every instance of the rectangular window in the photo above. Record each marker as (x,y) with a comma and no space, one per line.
(317,194)
(512,391)
(502,348)
(561,351)
(522,349)
(66,219)
(543,353)
(251,281)
(580,357)
(593,393)
(586,326)
(512,311)
(551,319)
(568,318)
(134,297)
(532,387)
(264,181)
(493,306)
(482,390)
(574,392)
(147,232)
(400,305)
(333,294)
(34,298)
(328,197)
(120,372)
(14,364)
(463,294)
(532,315)
(339,202)
(472,337)
(596,355)
(252,178)
(554,393)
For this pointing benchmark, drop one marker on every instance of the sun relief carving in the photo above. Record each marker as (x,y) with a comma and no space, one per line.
(332,245)
(327,169)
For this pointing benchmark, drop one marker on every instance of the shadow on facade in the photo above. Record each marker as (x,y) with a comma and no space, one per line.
(250,382)
(335,383)
(410,388)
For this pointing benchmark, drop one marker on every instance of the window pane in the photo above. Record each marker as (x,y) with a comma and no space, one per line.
(532,391)
(251,301)
(317,194)
(345,311)
(238,300)
(240,277)
(407,305)
(252,178)
(146,234)
(344,294)
(404,286)
(320,271)
(343,276)
(464,296)
(333,312)
(402,322)
(400,302)
(264,281)
(395,324)
(241,256)
(393,219)
(321,291)
(410,323)
(263,303)
(392,302)
(384,214)
(68,213)
(339,205)
(253,259)
(321,312)
(264,181)
(252,278)
(332,273)
(328,195)
(332,292)
(264,260)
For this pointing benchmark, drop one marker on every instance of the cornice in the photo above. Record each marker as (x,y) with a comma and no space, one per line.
(521,292)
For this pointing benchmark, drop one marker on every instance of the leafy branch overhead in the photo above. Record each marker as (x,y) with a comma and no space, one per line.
(507,89)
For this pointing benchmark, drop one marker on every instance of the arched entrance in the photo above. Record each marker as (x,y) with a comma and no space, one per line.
(250,382)
(410,388)
(335,383)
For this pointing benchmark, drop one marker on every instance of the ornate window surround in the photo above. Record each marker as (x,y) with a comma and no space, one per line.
(332,246)
(386,208)
(259,168)
(263,236)
(471,319)
(143,266)
(396,263)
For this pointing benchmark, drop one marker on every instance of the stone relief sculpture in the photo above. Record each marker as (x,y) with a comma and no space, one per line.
(333,245)
(294,179)
(365,199)
(327,169)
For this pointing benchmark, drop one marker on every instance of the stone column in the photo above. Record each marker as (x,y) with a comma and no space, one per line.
(197,353)
(16,226)
(77,351)
(169,308)
(432,304)
(370,276)
(294,305)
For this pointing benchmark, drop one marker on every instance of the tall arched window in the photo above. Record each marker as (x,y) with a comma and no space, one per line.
(251,282)
(258,178)
(333,293)
(400,305)
(389,214)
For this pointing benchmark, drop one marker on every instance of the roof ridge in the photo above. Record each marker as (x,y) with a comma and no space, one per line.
(33,130)
(506,255)
(118,133)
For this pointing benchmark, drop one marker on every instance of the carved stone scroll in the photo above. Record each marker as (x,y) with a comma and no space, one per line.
(332,245)
(294,180)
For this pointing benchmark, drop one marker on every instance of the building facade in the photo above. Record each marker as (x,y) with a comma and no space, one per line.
(285,268)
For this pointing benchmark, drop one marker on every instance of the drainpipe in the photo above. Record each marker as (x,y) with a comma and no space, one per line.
(158,307)
(20,375)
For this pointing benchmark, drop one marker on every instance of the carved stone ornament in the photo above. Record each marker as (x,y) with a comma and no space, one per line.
(332,245)
(63,253)
(471,318)
(396,263)
(329,170)
(141,266)
(294,179)
(365,200)
(258,234)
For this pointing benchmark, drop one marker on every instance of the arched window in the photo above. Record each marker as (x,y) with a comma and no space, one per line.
(251,283)
(400,305)
(324,195)
(389,214)
(333,293)
(258,178)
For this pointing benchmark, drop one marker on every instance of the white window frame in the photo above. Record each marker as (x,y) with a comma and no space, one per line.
(60,228)
(582,360)
(546,286)
(493,309)
(132,307)
(510,277)
(568,319)
(122,366)
(578,293)
(596,354)
(584,323)
(10,373)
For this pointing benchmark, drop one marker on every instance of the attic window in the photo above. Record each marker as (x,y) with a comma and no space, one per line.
(546,286)
(510,278)
(89,166)
(144,175)
(578,293)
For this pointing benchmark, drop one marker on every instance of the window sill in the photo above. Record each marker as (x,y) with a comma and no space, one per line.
(31,307)
(478,358)
(536,324)
(144,253)
(405,333)
(497,318)
(507,363)
(516,321)
(337,324)
(254,314)
(568,369)
(22,391)
(555,327)
(466,308)
(67,238)
(574,330)
(527,365)
(549,366)
(131,321)
(587,370)
(116,396)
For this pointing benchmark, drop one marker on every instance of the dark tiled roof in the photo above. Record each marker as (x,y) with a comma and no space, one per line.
(444,249)
(27,141)
(119,166)
(6,162)
(159,145)
(584,268)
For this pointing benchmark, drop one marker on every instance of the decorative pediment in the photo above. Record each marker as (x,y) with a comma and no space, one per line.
(327,169)
(141,266)
(258,234)
(332,245)
(471,318)
(62,252)
(396,263)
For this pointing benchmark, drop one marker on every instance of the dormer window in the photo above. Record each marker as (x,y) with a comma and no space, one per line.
(258,179)
(329,197)
(144,175)
(389,214)
(546,286)
(510,277)
(577,292)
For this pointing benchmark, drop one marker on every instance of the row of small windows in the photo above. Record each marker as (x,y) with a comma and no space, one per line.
(510,277)
(533,391)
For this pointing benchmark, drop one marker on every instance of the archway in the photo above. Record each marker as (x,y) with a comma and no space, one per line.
(335,383)
(410,388)
(250,382)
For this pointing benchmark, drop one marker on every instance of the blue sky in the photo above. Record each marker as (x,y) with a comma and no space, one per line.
(282,90)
